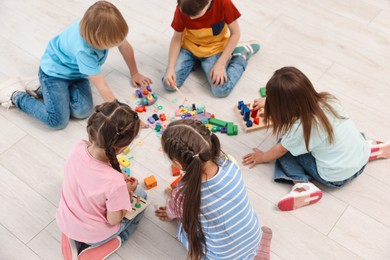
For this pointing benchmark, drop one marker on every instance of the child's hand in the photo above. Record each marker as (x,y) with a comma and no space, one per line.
(161,213)
(218,75)
(170,78)
(258,103)
(253,158)
(132,183)
(140,80)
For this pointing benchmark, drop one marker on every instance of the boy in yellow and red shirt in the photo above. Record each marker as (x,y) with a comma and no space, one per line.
(206,33)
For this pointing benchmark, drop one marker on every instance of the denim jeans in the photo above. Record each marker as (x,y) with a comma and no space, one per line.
(303,168)
(127,227)
(62,99)
(188,62)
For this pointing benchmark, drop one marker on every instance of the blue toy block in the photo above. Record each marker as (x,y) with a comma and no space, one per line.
(151,120)
(240,104)
(126,170)
(249,123)
(223,129)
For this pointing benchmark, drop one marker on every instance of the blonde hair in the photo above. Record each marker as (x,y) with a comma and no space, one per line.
(103,26)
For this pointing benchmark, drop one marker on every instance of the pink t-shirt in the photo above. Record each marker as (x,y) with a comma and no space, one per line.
(90,189)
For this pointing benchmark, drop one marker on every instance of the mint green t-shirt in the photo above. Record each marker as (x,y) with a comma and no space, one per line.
(337,161)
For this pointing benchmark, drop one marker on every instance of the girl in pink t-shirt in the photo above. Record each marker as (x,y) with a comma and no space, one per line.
(95,197)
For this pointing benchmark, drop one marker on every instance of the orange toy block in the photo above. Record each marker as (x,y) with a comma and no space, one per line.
(150,182)
(174,183)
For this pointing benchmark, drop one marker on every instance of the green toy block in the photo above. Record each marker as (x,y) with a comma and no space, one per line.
(235,130)
(230,128)
(216,129)
(217,122)
(263,92)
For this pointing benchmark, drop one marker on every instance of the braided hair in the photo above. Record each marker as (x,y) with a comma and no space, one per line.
(190,143)
(113,125)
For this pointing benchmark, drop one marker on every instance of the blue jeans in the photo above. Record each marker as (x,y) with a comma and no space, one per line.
(62,99)
(127,227)
(188,62)
(303,168)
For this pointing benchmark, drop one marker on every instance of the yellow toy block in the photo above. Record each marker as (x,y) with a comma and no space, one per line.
(123,161)
(150,182)
(126,151)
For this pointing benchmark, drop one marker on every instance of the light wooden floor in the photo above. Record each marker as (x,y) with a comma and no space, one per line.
(344,48)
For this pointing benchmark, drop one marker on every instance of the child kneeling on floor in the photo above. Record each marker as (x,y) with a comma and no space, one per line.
(96,195)
(216,220)
(317,139)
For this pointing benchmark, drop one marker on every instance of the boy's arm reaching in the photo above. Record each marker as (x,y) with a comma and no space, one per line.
(128,55)
(218,73)
(259,156)
(102,86)
(174,50)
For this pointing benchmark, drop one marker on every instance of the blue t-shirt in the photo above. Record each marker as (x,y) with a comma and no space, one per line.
(69,56)
(335,162)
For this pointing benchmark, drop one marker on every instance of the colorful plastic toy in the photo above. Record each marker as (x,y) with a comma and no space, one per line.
(146,95)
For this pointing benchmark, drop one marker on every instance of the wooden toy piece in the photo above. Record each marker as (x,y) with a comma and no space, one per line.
(230,129)
(140,109)
(138,202)
(138,205)
(175,182)
(263,92)
(217,122)
(126,170)
(126,151)
(256,120)
(150,182)
(123,161)
(175,171)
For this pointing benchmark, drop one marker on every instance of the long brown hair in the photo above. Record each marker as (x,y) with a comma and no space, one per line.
(113,125)
(190,143)
(103,26)
(291,96)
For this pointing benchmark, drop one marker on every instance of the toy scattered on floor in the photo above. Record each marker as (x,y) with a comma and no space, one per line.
(123,161)
(263,92)
(138,205)
(150,182)
(228,128)
(174,183)
(146,95)
(251,119)
(175,171)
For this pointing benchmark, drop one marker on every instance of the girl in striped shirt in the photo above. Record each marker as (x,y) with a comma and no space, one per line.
(216,220)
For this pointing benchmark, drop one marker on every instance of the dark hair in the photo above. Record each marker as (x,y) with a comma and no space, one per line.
(192,7)
(291,96)
(190,143)
(113,125)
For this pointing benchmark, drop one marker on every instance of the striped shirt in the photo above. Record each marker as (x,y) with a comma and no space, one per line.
(229,223)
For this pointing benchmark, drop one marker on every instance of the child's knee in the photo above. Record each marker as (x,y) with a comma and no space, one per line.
(58,123)
(220,92)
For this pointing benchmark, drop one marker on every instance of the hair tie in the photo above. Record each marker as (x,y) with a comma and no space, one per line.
(195,155)
(136,116)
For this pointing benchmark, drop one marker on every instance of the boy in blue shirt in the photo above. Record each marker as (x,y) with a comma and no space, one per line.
(72,59)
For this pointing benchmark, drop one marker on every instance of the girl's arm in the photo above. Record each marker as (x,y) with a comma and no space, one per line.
(259,156)
(218,72)
(128,55)
(174,50)
(116,216)
(102,86)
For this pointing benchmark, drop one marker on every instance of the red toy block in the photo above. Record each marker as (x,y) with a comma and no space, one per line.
(256,120)
(175,171)
(150,182)
(163,117)
(253,113)
(140,109)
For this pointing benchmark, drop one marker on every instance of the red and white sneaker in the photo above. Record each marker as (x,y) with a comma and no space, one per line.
(301,194)
(379,150)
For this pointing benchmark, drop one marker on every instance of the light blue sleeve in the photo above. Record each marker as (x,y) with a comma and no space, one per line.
(88,63)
